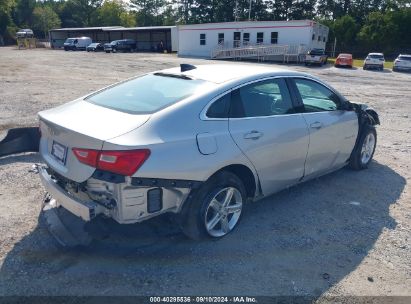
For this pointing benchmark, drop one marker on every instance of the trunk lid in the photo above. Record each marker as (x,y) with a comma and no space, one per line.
(80,124)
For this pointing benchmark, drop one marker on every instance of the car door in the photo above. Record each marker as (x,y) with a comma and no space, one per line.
(264,125)
(333,130)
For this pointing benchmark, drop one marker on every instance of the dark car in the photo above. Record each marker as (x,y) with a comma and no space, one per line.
(95,47)
(316,56)
(125,45)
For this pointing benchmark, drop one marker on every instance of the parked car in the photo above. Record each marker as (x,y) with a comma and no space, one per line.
(161,142)
(316,56)
(402,63)
(344,60)
(76,44)
(374,61)
(95,47)
(25,33)
(125,45)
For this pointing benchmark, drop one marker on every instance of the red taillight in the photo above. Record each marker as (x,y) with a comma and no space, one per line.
(121,162)
(86,156)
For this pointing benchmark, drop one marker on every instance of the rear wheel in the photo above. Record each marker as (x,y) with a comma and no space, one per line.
(364,151)
(215,209)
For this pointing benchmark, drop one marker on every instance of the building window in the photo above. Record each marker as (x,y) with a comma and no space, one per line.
(313,37)
(319,38)
(246,38)
(220,38)
(260,37)
(324,39)
(274,37)
(202,39)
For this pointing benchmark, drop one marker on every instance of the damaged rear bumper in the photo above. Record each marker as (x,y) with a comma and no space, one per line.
(127,200)
(84,210)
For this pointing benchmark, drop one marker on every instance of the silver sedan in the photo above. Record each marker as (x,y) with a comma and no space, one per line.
(198,141)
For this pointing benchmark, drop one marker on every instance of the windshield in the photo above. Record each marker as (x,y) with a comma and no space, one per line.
(113,42)
(146,94)
(70,40)
(405,58)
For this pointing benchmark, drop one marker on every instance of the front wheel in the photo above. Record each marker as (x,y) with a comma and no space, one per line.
(215,209)
(364,151)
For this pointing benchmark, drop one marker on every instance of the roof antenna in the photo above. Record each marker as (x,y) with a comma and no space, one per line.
(187,67)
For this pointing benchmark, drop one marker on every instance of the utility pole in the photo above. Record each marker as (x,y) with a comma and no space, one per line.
(249,11)
(335,44)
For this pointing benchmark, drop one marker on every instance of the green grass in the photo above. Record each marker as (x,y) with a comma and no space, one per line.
(359,63)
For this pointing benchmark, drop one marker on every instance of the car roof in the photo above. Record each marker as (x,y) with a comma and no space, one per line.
(220,73)
(345,55)
(404,55)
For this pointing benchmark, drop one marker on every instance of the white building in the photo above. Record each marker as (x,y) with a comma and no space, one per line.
(201,40)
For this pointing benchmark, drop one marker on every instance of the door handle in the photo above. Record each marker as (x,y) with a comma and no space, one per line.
(316,125)
(253,135)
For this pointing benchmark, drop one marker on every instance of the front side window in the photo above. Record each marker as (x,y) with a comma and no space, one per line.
(260,37)
(146,94)
(202,39)
(316,97)
(274,37)
(264,98)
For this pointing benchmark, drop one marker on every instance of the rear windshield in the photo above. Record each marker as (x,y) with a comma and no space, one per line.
(405,58)
(374,56)
(146,94)
(316,52)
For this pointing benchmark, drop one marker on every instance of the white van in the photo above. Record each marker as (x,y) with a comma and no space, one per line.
(75,44)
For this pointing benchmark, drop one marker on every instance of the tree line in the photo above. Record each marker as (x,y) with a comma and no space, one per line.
(357,25)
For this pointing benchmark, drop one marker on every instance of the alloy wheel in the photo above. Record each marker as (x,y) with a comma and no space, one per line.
(367,148)
(223,212)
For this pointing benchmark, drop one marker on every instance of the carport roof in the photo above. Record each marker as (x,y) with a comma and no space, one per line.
(101,28)
(141,28)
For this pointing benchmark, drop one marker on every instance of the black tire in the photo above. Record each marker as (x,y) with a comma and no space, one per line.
(193,216)
(356,162)
(364,67)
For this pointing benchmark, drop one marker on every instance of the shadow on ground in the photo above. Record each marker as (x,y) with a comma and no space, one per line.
(298,242)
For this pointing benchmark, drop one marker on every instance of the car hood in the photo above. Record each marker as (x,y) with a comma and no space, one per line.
(92,120)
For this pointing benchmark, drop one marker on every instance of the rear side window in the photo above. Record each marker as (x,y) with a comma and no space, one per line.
(219,109)
(146,94)
(264,98)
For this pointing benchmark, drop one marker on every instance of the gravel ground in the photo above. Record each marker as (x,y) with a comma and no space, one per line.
(347,233)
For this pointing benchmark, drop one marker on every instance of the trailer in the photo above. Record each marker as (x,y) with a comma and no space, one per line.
(250,38)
